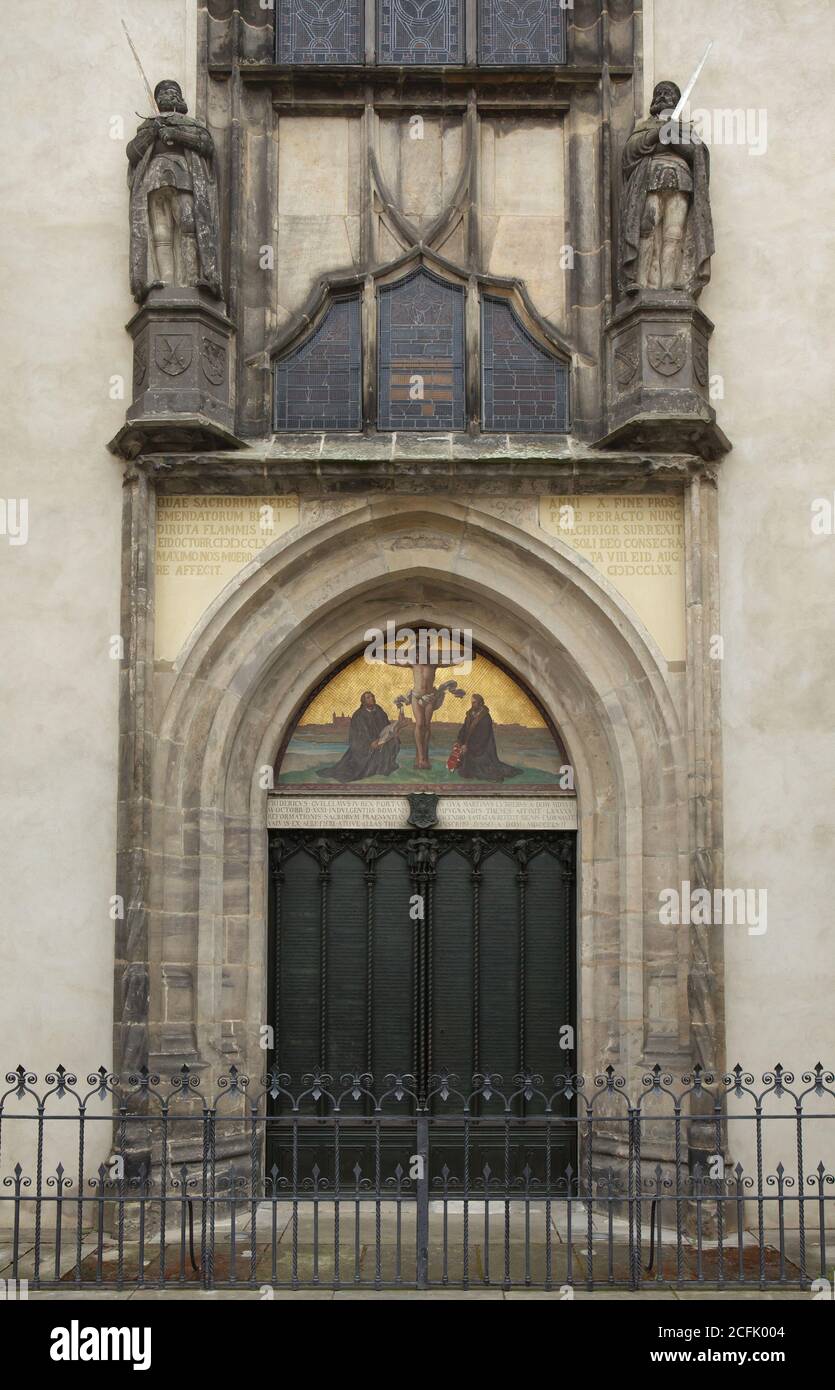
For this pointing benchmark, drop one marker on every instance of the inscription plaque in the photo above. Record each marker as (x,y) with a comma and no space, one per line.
(202,543)
(638,544)
(392,813)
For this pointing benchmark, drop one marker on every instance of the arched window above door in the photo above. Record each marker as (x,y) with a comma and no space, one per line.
(424,376)
(524,387)
(420,353)
(317,385)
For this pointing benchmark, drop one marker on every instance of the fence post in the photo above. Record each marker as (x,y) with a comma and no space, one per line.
(422,1198)
(632,1179)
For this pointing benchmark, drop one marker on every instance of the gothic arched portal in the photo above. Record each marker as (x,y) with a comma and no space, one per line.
(300,612)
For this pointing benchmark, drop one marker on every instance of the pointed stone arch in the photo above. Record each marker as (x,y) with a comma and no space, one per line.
(276,632)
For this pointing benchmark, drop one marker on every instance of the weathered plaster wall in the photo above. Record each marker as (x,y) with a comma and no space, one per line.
(772,298)
(69,74)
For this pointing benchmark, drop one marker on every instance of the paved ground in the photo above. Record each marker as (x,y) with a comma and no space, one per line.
(569,1254)
(467,1295)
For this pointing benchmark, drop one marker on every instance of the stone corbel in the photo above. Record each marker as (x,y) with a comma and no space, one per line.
(183,346)
(658,377)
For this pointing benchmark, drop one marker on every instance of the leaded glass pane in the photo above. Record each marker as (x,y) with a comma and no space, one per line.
(421,354)
(320,31)
(514,32)
(524,388)
(318,385)
(420,31)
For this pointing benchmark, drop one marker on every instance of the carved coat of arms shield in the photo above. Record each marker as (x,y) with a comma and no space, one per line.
(214,361)
(626,363)
(173,353)
(423,810)
(140,363)
(666,352)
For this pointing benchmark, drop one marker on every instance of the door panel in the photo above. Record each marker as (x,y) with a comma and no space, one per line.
(453,1018)
(482,983)
(392,986)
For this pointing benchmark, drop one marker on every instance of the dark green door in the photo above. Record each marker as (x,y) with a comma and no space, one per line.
(413,952)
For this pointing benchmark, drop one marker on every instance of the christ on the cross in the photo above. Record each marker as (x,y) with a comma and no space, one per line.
(424,698)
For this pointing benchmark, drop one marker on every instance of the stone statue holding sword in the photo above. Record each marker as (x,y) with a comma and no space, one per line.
(174,218)
(666,229)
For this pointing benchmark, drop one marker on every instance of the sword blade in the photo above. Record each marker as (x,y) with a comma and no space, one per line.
(148,88)
(685,96)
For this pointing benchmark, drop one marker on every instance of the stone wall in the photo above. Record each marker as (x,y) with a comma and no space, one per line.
(69,79)
(771,296)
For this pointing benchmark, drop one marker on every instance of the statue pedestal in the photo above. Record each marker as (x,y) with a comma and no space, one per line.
(182,375)
(658,376)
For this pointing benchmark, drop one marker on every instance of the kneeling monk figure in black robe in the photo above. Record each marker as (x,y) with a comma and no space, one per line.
(368,754)
(479,757)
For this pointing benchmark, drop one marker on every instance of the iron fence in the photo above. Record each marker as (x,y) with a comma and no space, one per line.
(336,1183)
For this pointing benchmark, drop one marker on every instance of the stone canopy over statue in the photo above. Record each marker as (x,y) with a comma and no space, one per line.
(174,222)
(666,230)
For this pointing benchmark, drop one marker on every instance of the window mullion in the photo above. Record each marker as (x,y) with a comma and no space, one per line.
(471,31)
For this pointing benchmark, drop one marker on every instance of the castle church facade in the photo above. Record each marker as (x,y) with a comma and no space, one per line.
(421,340)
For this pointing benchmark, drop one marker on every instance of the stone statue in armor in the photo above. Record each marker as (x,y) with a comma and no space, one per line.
(174,219)
(666,230)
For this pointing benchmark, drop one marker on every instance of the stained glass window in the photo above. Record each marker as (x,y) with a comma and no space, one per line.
(524,388)
(318,385)
(514,32)
(421,354)
(320,31)
(510,32)
(420,31)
